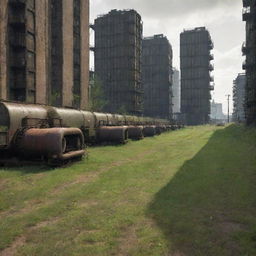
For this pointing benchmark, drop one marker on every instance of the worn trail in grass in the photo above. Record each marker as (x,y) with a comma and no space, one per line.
(190,192)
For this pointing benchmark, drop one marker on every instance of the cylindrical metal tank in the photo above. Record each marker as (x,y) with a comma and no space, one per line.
(101,119)
(115,134)
(14,116)
(135,132)
(69,117)
(52,143)
(149,131)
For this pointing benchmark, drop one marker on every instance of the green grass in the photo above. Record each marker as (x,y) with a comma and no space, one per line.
(189,192)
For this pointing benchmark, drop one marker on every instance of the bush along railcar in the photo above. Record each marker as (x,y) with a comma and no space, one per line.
(57,135)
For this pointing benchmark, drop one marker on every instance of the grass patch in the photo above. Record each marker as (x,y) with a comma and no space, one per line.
(190,192)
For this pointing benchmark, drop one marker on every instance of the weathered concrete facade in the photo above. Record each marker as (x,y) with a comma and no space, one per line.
(239,98)
(70,53)
(18,47)
(196,79)
(3,49)
(118,45)
(44,51)
(157,76)
(176,90)
(249,50)
(84,75)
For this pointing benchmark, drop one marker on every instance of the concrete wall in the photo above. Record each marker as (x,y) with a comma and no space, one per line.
(3,50)
(67,80)
(54,67)
(84,54)
(42,50)
(176,91)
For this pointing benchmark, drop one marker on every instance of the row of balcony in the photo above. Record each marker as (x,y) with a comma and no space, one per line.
(247,3)
(249,13)
(211,67)
(211,45)
(247,49)
(248,65)
(17,2)
(211,87)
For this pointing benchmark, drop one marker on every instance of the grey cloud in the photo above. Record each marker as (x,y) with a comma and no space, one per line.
(171,8)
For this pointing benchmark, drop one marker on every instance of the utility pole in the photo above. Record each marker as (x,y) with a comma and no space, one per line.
(228,105)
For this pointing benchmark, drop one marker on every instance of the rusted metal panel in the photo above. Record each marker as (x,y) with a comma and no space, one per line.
(120,119)
(53,143)
(101,119)
(135,132)
(111,120)
(89,119)
(69,117)
(12,115)
(149,131)
(112,134)
(129,120)
(3,139)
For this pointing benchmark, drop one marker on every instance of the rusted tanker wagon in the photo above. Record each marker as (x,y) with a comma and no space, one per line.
(55,135)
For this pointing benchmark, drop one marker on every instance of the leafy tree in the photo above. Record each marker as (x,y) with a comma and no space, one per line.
(97,100)
(122,110)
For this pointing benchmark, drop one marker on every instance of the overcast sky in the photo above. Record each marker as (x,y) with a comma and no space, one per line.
(223,18)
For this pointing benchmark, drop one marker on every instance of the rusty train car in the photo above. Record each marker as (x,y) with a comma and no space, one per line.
(56,135)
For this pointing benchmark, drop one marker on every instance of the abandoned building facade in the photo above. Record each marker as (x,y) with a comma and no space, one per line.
(249,50)
(44,55)
(196,78)
(239,98)
(176,90)
(117,51)
(157,76)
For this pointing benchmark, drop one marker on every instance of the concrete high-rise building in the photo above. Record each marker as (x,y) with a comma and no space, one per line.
(217,112)
(249,50)
(176,90)
(118,45)
(157,76)
(69,53)
(44,51)
(24,56)
(196,79)
(239,98)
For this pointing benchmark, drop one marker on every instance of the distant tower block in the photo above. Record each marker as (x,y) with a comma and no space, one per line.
(118,43)
(176,90)
(157,76)
(239,98)
(196,79)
